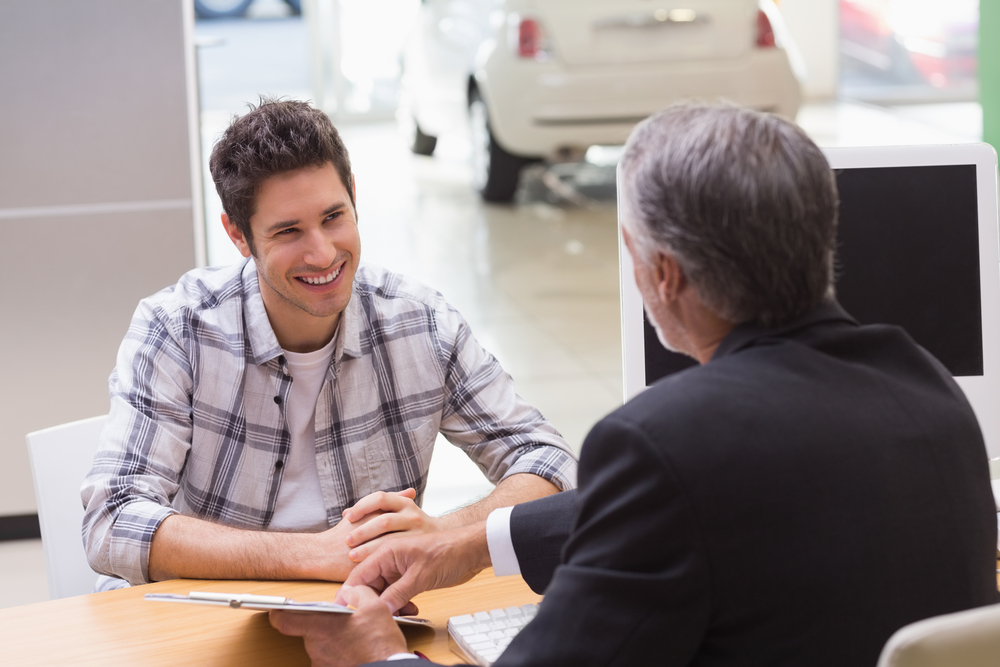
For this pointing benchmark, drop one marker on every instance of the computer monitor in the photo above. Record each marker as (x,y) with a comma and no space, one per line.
(917,246)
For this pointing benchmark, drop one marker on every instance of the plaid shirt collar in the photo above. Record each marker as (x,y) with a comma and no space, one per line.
(264,344)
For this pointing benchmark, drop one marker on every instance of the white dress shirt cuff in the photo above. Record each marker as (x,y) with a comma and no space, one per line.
(500,544)
(402,656)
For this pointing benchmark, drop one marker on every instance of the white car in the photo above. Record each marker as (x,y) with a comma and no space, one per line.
(544,78)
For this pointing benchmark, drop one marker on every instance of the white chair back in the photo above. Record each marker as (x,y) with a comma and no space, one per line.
(963,639)
(61,457)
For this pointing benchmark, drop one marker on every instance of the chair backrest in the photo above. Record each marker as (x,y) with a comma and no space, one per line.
(61,457)
(963,639)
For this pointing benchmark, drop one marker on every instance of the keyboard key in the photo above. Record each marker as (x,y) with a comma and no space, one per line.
(483,627)
(510,634)
(464,630)
(498,625)
(462,620)
(476,639)
(511,612)
(482,616)
(498,614)
(495,635)
(515,623)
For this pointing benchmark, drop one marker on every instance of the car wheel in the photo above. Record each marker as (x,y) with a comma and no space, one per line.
(296,6)
(494,171)
(423,144)
(214,9)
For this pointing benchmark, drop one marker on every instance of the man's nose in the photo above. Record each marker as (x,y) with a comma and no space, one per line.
(320,250)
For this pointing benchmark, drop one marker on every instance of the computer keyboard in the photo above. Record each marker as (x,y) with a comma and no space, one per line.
(483,636)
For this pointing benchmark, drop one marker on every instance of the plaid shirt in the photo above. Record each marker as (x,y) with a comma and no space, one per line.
(197,420)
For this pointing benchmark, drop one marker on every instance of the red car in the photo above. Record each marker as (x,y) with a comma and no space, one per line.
(913,40)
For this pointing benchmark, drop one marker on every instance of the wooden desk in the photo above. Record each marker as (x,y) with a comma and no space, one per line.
(120,628)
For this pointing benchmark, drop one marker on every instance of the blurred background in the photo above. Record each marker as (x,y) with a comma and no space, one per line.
(477,172)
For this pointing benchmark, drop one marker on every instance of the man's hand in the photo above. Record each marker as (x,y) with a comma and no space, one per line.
(402,568)
(345,640)
(329,559)
(383,514)
(400,515)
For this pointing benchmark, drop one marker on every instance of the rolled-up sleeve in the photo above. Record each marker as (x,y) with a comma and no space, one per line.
(142,450)
(498,430)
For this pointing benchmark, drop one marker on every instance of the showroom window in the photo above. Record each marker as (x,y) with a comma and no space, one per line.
(908,50)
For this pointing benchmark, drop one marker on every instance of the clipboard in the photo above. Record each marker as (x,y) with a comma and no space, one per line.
(266,603)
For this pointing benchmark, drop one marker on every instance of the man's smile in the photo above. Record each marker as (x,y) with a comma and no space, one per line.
(322,279)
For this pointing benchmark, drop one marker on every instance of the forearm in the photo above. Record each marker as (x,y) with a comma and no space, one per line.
(185,547)
(510,491)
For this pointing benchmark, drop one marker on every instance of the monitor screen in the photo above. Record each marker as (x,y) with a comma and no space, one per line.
(907,254)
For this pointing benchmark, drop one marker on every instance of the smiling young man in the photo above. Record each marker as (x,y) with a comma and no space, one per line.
(269,417)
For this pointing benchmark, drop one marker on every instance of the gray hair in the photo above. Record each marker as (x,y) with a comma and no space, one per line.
(744,201)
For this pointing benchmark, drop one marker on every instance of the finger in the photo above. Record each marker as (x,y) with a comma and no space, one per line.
(408,609)
(287,623)
(380,500)
(363,597)
(377,584)
(387,523)
(360,553)
(410,493)
(377,571)
(399,594)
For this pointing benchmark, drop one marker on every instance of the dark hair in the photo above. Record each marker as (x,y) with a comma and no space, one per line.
(275,137)
(745,202)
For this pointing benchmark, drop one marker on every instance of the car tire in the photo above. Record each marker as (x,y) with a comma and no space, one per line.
(495,172)
(423,144)
(296,6)
(216,9)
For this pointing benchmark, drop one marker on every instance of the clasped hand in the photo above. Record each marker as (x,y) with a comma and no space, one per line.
(382,515)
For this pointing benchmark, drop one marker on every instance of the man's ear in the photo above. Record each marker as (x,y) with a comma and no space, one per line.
(236,236)
(670,278)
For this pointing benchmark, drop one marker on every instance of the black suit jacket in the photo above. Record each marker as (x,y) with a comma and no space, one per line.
(810,490)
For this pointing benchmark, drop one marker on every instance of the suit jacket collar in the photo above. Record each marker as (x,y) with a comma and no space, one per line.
(747,334)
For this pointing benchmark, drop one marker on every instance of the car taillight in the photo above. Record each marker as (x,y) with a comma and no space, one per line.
(531,42)
(765,33)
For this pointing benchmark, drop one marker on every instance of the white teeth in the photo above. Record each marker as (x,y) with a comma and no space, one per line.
(324,280)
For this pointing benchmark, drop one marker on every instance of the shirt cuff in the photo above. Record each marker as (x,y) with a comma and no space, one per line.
(500,544)
(402,656)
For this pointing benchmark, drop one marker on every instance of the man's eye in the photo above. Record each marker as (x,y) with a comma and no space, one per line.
(332,216)
(287,231)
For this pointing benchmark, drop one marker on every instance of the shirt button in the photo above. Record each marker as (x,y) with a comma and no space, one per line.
(278,465)
(277,399)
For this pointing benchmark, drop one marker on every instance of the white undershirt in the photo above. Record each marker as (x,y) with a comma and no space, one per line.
(300,506)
